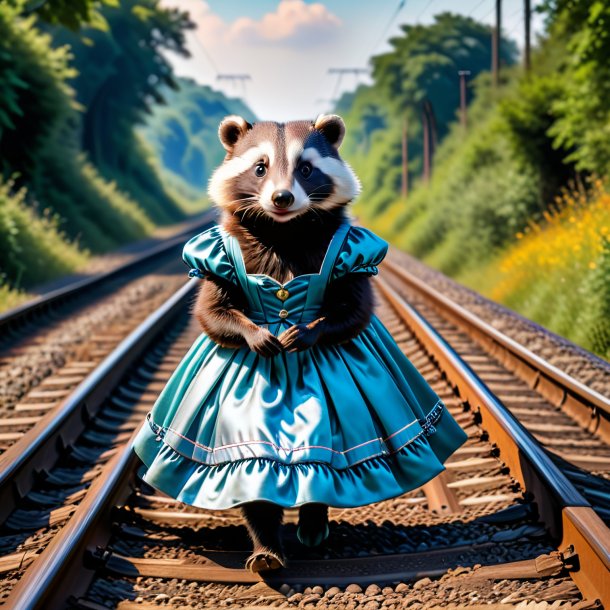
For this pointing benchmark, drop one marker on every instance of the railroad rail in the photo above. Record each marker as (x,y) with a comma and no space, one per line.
(64,337)
(585,405)
(504,501)
(15,319)
(569,419)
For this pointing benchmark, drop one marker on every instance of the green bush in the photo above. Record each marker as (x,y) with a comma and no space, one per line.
(32,247)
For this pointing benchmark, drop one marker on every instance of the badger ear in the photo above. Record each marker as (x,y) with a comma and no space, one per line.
(231,129)
(332,127)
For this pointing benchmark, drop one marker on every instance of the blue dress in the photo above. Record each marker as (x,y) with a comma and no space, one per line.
(345,425)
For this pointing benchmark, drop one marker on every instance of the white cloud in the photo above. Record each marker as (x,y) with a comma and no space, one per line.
(286,52)
(295,23)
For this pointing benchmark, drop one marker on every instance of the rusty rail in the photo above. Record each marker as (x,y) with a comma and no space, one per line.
(14,319)
(582,537)
(581,534)
(43,443)
(590,408)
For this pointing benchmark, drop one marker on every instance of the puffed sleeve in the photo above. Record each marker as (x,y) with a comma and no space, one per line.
(205,254)
(361,252)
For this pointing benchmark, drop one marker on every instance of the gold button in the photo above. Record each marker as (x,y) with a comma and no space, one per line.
(283,313)
(282,294)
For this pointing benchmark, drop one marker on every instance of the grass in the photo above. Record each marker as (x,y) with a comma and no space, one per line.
(557,271)
(10,298)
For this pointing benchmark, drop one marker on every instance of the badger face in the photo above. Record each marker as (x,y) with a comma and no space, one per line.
(282,170)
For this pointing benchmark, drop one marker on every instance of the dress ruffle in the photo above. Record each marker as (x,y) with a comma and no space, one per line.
(362,251)
(226,485)
(206,254)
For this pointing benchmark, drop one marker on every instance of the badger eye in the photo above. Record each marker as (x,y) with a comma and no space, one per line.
(306,169)
(260,169)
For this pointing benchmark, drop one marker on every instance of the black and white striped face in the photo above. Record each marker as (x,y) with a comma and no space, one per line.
(282,170)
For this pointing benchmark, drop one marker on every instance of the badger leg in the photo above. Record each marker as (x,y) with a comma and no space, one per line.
(313,527)
(263,520)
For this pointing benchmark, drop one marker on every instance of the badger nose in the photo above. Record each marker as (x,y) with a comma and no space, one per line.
(282,199)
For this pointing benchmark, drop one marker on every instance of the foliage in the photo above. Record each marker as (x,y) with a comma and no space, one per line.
(39,146)
(69,13)
(93,210)
(419,76)
(34,97)
(566,255)
(121,73)
(184,131)
(489,215)
(56,203)
(32,247)
(470,209)
(425,61)
(529,115)
(583,123)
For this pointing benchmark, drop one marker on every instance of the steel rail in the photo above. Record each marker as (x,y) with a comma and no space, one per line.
(590,408)
(41,445)
(571,520)
(45,583)
(26,312)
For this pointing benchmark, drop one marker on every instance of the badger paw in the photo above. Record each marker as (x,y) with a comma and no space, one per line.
(313,527)
(265,561)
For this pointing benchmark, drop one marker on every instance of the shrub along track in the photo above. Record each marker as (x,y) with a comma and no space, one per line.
(502,525)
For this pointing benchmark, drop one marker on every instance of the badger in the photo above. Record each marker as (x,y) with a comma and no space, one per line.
(283,190)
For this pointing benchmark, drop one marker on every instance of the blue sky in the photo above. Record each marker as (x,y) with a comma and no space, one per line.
(287,46)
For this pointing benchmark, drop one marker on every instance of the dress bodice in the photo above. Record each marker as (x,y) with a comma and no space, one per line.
(280,305)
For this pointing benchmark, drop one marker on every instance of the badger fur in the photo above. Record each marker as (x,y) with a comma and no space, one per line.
(283,190)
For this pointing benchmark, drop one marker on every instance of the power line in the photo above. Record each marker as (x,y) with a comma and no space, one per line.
(519,10)
(206,53)
(424,10)
(340,72)
(488,14)
(236,78)
(395,14)
(233,78)
(516,26)
(474,10)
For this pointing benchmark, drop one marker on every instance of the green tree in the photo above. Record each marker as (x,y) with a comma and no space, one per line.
(419,75)
(69,13)
(35,99)
(424,63)
(121,72)
(583,113)
(184,131)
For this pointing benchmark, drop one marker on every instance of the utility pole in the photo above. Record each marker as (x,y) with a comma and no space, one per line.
(341,72)
(426,134)
(405,159)
(496,36)
(355,71)
(527,14)
(463,107)
(429,110)
(236,78)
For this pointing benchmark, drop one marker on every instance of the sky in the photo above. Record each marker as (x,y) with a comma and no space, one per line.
(288,46)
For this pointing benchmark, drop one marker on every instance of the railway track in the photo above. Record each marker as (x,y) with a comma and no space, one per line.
(48,347)
(507,523)
(37,312)
(571,420)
